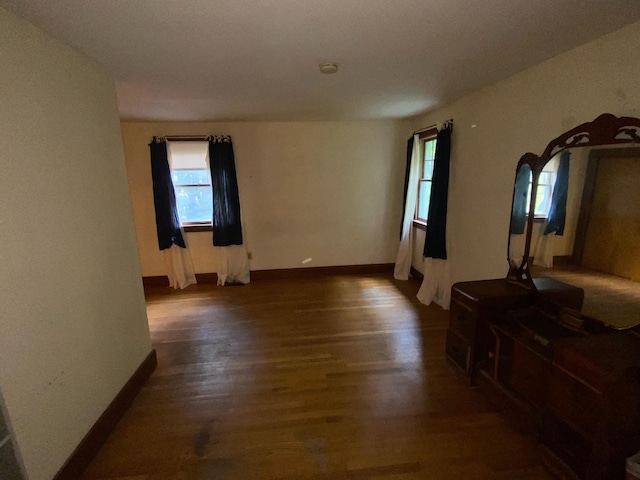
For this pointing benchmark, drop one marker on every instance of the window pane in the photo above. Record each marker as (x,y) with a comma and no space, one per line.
(424,195)
(545,178)
(191,177)
(430,149)
(543,195)
(543,200)
(427,171)
(195,204)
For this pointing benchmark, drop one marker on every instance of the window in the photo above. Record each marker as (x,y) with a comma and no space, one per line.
(191,181)
(428,149)
(543,195)
(546,181)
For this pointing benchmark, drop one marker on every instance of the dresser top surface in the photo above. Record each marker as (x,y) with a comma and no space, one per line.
(491,288)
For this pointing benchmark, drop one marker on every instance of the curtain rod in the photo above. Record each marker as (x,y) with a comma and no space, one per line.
(186,138)
(426,129)
(432,127)
(193,138)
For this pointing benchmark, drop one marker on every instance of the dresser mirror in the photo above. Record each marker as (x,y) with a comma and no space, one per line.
(576,218)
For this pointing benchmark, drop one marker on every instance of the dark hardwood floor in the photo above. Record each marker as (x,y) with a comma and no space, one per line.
(336,377)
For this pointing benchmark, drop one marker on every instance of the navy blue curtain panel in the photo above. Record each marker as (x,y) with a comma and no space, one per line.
(406,180)
(164,197)
(435,244)
(558,210)
(520,200)
(227,224)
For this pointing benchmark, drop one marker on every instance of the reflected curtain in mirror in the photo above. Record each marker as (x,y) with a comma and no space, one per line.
(558,211)
(520,200)
(164,199)
(227,224)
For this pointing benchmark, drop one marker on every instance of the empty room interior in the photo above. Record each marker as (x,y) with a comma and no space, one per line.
(320,240)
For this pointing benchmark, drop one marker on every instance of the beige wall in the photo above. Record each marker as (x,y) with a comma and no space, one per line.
(330,191)
(73,326)
(495,126)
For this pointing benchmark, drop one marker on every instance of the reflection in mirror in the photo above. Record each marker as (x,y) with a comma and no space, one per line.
(587,229)
(520,215)
(557,206)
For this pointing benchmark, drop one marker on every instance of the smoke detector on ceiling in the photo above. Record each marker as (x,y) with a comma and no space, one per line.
(329,67)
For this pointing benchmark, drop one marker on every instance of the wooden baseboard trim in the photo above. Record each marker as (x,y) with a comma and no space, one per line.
(284,273)
(309,272)
(562,260)
(158,281)
(413,273)
(207,278)
(163,280)
(104,426)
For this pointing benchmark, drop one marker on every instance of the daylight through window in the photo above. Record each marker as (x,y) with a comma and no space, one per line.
(191,181)
(546,181)
(428,149)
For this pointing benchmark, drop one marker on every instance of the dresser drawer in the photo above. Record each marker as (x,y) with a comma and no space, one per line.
(459,351)
(462,320)
(528,374)
(575,403)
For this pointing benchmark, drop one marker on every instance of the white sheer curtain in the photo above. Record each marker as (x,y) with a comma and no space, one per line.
(544,244)
(543,255)
(233,264)
(178,260)
(405,251)
(179,266)
(436,285)
(516,248)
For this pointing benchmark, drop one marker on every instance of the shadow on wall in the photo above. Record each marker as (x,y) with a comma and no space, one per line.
(9,467)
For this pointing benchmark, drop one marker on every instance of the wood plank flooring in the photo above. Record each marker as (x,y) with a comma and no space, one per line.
(336,377)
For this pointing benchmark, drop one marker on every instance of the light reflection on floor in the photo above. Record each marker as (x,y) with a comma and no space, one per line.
(402,346)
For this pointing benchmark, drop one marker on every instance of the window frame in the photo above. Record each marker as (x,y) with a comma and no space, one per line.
(423,137)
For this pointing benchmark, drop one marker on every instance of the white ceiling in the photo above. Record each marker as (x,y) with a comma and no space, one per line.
(258,59)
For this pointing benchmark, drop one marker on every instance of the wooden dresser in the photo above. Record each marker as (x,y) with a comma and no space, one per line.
(477,305)
(549,364)
(582,390)
(576,389)
(473,306)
